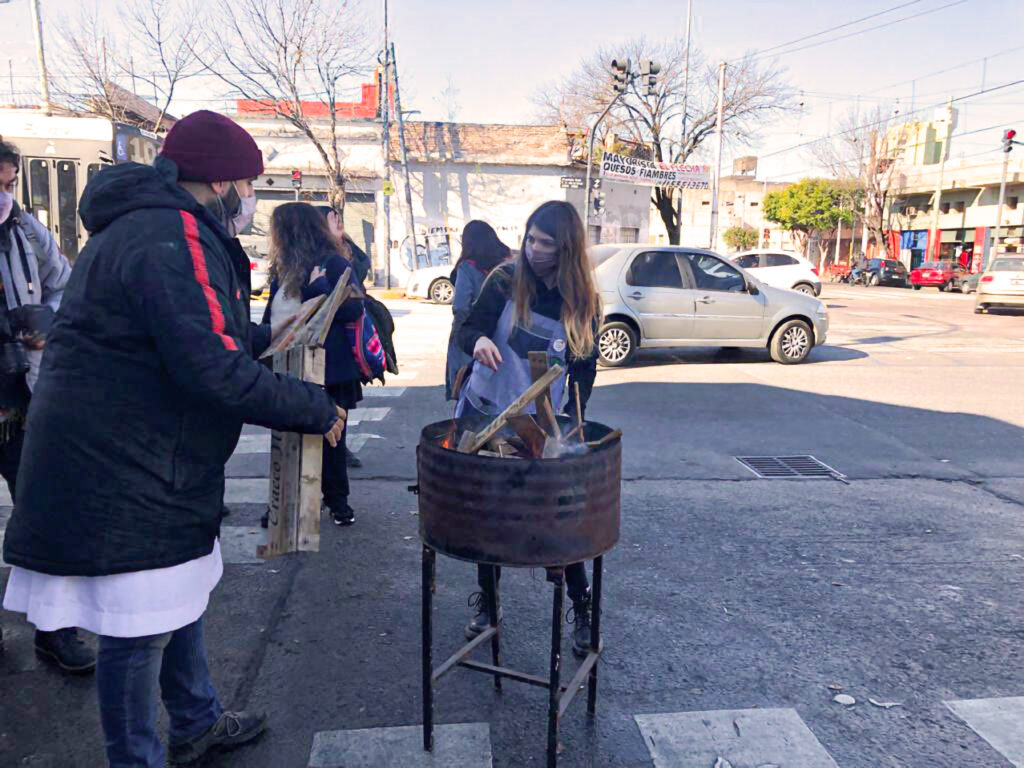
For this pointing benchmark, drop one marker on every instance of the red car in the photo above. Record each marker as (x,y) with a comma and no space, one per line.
(944,275)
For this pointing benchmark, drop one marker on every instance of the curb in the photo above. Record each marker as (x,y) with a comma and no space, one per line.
(384,293)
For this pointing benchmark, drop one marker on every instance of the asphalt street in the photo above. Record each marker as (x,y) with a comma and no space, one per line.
(736,608)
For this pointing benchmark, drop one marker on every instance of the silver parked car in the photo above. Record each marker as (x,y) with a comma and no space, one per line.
(1002,285)
(673,296)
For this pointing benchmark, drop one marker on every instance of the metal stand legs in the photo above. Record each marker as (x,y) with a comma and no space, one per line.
(559,696)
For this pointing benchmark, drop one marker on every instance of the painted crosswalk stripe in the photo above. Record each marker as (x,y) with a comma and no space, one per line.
(355,441)
(383,392)
(463,745)
(1000,722)
(359,415)
(747,737)
(259,443)
(238,544)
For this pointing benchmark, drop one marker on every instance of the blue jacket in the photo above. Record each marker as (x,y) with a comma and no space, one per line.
(341,364)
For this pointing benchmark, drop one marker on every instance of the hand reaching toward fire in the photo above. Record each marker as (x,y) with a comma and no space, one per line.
(486,353)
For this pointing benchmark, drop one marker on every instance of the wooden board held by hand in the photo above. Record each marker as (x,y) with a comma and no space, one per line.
(295,469)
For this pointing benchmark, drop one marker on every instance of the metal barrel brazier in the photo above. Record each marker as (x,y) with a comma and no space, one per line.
(518,512)
(525,512)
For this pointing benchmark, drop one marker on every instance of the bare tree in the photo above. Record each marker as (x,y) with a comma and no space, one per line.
(448,100)
(89,69)
(754,93)
(286,53)
(167,35)
(866,154)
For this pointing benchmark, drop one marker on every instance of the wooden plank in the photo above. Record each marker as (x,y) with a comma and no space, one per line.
(313,362)
(293,523)
(517,405)
(545,412)
(320,323)
(293,329)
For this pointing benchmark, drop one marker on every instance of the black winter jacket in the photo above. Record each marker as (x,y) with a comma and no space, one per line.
(147,377)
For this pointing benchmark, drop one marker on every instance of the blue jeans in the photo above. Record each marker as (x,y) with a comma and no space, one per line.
(128,671)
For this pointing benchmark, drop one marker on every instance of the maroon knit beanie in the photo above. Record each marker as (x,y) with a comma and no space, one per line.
(209,147)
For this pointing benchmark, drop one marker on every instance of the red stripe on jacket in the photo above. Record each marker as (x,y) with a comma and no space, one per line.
(203,278)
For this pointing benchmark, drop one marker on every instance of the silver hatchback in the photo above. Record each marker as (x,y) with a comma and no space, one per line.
(673,296)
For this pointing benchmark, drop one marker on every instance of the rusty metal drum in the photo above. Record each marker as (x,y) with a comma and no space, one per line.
(519,512)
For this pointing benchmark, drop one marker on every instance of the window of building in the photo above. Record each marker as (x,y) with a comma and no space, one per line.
(1011,202)
(594,233)
(655,269)
(629,234)
(754,203)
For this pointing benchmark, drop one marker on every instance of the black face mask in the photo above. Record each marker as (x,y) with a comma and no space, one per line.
(225,208)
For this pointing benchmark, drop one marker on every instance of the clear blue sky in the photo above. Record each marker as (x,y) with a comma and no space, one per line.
(499,52)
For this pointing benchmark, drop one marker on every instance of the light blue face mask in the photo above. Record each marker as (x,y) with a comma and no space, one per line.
(6,205)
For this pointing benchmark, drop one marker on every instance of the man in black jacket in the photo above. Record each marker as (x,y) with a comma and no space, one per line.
(147,378)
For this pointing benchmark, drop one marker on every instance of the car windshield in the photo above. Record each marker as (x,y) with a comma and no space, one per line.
(931,265)
(1007,265)
(874,263)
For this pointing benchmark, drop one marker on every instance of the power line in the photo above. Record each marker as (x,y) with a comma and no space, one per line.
(862,31)
(887,119)
(833,29)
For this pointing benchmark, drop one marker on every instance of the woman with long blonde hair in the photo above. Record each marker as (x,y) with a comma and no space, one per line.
(546,300)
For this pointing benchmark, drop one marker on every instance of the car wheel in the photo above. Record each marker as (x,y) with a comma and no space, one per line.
(442,291)
(792,342)
(804,288)
(965,289)
(916,287)
(874,279)
(616,345)
(944,287)
(980,309)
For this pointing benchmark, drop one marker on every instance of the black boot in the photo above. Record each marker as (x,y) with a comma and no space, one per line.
(482,620)
(580,617)
(65,649)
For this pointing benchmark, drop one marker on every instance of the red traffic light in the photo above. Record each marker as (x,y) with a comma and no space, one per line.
(1011,134)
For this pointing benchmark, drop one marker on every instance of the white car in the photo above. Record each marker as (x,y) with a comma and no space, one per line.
(780,270)
(1002,285)
(434,283)
(658,296)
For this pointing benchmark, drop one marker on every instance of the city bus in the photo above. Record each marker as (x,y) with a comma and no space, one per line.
(60,154)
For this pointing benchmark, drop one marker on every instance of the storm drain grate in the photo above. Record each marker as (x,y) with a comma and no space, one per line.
(780,467)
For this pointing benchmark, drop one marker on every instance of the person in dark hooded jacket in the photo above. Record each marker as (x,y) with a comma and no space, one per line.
(147,378)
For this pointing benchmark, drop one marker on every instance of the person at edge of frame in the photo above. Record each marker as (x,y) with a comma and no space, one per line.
(546,299)
(33,272)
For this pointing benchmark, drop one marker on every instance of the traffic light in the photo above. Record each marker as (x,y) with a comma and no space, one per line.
(1008,139)
(297,179)
(650,70)
(620,74)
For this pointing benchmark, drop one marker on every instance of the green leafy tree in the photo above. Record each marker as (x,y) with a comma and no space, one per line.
(740,238)
(810,207)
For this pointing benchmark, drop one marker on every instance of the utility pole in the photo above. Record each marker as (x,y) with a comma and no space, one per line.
(10,75)
(410,220)
(622,76)
(713,239)
(686,95)
(44,84)
(839,235)
(937,199)
(385,111)
(1008,141)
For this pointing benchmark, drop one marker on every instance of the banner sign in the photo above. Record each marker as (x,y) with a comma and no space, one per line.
(654,174)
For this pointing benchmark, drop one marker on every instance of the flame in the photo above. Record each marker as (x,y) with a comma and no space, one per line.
(449,439)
